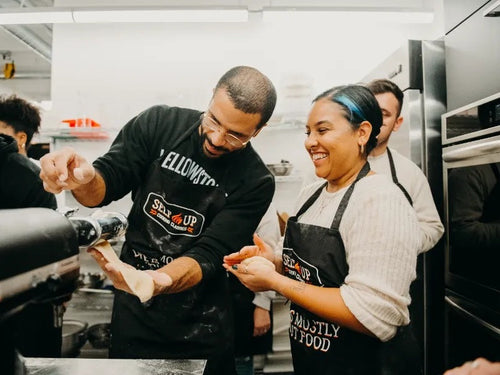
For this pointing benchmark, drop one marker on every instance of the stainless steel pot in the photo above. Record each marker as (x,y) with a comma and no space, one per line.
(74,336)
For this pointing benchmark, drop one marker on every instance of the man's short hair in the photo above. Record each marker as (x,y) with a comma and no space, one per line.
(381,86)
(250,91)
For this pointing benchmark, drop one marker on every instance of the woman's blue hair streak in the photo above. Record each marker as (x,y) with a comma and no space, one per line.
(356,114)
(359,104)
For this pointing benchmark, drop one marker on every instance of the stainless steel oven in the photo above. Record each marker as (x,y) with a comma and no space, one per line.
(471,183)
(475,120)
(471,331)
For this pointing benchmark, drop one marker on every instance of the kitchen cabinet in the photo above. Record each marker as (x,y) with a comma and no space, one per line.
(472,58)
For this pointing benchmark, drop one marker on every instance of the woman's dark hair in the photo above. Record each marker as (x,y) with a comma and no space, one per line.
(359,105)
(20,115)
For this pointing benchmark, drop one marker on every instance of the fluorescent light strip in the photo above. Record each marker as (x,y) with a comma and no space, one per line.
(357,15)
(25,16)
(160,15)
(9,16)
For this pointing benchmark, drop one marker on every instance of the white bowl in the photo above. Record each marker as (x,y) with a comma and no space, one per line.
(280,169)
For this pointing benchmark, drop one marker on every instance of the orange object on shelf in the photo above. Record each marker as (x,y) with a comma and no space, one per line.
(82,122)
(84,128)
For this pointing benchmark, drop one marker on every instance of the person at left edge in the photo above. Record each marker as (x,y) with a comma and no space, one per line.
(20,119)
(34,331)
(199,192)
(20,184)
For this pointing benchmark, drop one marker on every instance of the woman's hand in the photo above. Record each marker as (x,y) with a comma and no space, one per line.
(259,249)
(256,273)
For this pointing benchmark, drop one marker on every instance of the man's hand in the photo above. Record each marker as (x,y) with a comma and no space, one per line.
(65,170)
(162,281)
(112,270)
(261,321)
(143,284)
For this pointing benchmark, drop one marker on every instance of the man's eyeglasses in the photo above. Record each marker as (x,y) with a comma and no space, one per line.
(232,139)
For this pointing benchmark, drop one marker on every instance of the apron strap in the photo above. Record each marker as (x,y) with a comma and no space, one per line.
(311,200)
(345,199)
(395,177)
(343,203)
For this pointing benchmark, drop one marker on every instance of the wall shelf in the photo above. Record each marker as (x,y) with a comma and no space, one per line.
(294,178)
(289,125)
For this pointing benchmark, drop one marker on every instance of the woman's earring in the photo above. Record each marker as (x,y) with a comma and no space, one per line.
(22,146)
(362,149)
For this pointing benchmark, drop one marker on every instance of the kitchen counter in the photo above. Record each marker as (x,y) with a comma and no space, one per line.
(87,366)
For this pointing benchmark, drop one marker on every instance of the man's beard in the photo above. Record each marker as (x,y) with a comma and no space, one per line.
(204,138)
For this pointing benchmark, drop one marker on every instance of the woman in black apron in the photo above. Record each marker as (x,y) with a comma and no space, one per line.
(326,337)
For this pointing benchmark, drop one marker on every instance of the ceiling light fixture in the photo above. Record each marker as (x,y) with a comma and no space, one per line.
(37,15)
(24,16)
(316,15)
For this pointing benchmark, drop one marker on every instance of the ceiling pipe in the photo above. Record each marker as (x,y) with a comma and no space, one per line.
(28,3)
(31,40)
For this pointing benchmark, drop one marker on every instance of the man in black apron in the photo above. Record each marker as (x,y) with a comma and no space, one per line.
(412,182)
(403,172)
(199,191)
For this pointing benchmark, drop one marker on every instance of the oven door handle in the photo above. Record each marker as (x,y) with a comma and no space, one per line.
(469,151)
(473,317)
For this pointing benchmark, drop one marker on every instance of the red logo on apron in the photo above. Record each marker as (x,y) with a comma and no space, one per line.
(176,220)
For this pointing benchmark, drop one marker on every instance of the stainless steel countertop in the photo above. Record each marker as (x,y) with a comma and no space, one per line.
(87,366)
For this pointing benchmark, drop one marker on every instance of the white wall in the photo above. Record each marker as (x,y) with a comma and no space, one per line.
(112,72)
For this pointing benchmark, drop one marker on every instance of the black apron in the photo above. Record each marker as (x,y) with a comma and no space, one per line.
(316,255)
(167,217)
(416,308)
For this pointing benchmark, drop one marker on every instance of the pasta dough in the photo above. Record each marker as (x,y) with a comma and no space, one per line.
(258,260)
(139,282)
